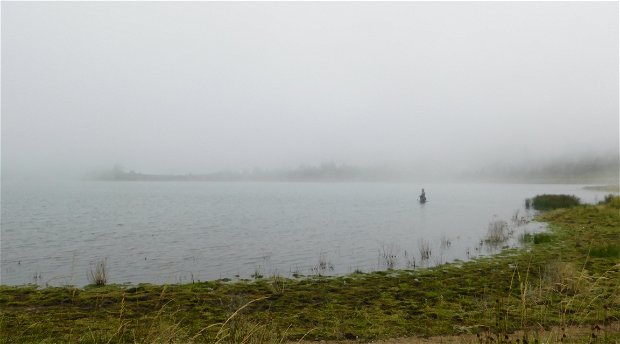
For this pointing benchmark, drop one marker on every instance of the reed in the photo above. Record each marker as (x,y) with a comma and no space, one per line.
(323,266)
(445,242)
(99,275)
(424,248)
(497,233)
(388,256)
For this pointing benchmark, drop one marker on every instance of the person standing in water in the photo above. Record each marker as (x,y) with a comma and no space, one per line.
(423,197)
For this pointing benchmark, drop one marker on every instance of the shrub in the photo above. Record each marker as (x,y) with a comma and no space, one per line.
(550,202)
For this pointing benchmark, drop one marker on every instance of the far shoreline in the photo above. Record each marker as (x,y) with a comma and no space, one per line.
(608,187)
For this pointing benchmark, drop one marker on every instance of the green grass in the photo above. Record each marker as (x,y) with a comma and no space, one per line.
(536,238)
(612,201)
(550,202)
(611,251)
(569,276)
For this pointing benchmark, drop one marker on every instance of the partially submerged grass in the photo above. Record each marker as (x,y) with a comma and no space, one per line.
(424,247)
(323,266)
(570,278)
(388,256)
(497,233)
(550,202)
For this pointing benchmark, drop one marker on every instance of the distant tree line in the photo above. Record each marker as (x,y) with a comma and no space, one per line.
(586,170)
(323,172)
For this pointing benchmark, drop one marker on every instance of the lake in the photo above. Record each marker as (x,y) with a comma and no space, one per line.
(178,232)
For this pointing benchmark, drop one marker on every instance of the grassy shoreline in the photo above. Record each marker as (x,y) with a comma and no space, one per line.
(569,277)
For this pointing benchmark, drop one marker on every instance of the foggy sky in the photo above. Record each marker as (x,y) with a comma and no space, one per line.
(200,87)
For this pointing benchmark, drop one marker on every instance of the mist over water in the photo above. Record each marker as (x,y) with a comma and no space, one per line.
(176,88)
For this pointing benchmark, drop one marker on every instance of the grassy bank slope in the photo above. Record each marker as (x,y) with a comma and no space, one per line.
(570,276)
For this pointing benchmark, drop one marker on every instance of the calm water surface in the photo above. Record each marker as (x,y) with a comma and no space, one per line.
(169,232)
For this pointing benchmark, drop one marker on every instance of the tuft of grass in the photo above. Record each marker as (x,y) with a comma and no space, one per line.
(257,274)
(278,284)
(550,202)
(99,276)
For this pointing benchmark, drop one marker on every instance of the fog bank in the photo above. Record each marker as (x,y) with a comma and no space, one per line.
(202,87)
